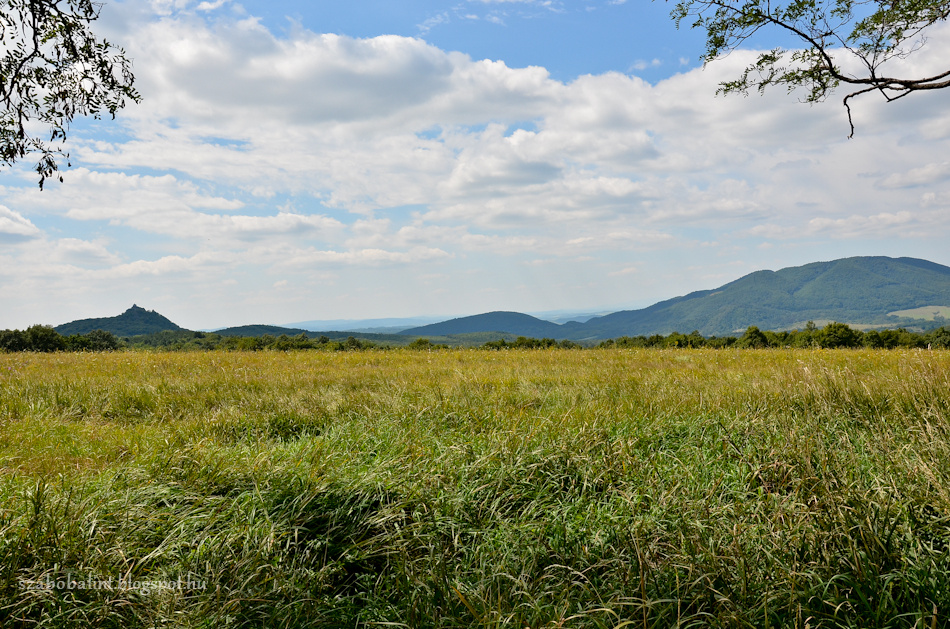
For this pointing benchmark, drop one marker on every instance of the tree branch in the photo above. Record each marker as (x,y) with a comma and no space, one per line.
(818,24)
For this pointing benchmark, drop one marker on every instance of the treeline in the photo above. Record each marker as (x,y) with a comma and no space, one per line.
(286,343)
(523,342)
(186,340)
(832,336)
(39,338)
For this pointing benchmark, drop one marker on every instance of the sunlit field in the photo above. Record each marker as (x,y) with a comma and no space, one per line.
(459,488)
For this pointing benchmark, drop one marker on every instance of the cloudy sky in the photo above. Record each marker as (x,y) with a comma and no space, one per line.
(298,160)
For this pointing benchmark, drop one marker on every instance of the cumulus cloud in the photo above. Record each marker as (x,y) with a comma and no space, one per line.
(167,205)
(363,257)
(211,6)
(351,120)
(15,228)
(928,174)
(79,253)
(166,265)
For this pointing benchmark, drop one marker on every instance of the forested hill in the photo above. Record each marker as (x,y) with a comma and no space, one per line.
(132,322)
(274,330)
(855,291)
(862,290)
(510,322)
(260,330)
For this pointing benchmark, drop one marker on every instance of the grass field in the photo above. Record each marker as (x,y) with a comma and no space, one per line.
(459,488)
(927,313)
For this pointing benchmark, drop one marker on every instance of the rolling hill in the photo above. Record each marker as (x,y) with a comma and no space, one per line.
(874,291)
(860,290)
(510,322)
(260,330)
(333,335)
(132,322)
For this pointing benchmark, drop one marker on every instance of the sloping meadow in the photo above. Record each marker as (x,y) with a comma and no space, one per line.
(459,488)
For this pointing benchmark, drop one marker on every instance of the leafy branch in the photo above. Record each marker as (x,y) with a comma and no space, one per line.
(53,68)
(872,32)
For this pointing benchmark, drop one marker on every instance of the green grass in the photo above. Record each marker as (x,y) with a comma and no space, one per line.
(927,313)
(458,488)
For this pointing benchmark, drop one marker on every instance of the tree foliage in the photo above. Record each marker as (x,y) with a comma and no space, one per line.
(53,68)
(753,338)
(833,32)
(42,338)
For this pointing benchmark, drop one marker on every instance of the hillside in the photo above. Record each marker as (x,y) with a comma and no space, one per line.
(392,325)
(876,291)
(132,322)
(861,290)
(333,335)
(511,322)
(260,330)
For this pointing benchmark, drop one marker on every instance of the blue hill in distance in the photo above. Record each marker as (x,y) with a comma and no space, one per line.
(870,292)
(396,325)
(385,325)
(860,291)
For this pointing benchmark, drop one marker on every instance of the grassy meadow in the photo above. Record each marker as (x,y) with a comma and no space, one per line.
(460,488)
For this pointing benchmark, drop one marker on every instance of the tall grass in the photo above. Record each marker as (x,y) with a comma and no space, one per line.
(605,488)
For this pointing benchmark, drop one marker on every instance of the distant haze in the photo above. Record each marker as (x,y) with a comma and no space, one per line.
(864,292)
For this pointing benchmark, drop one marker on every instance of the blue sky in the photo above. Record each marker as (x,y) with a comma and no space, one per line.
(566,38)
(322,160)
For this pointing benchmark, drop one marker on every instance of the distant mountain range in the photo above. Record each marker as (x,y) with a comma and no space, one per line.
(397,325)
(390,325)
(861,291)
(132,322)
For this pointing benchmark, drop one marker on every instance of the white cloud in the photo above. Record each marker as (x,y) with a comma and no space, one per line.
(79,253)
(361,257)
(436,20)
(539,3)
(630,270)
(349,120)
(641,64)
(166,205)
(165,266)
(211,6)
(15,228)
(928,174)
(168,7)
